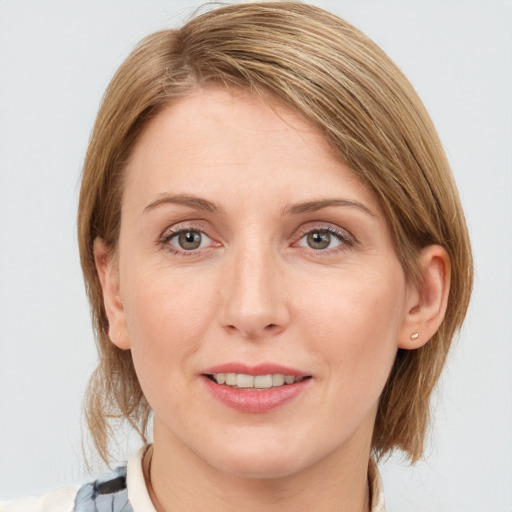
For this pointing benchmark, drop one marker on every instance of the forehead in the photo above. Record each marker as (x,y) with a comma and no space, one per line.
(228,141)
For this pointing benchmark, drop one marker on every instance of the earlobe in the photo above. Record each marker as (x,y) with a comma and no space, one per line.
(427,303)
(106,266)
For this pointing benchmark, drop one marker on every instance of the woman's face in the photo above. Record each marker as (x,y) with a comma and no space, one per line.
(249,254)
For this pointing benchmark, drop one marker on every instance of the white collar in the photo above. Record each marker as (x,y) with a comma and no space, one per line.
(137,491)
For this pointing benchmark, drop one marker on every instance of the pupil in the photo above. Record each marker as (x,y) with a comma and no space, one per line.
(319,240)
(189,240)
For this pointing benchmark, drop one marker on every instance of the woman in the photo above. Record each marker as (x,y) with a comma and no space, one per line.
(276,260)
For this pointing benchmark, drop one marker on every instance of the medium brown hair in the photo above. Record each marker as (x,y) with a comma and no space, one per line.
(345,85)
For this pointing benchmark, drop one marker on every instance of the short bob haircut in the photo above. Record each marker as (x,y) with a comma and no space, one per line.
(342,83)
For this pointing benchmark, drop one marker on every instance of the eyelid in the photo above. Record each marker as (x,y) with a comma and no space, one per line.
(181,226)
(325,226)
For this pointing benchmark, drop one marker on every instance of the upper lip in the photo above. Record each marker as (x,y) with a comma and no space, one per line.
(258,369)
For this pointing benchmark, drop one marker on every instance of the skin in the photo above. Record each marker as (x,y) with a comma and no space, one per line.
(255,291)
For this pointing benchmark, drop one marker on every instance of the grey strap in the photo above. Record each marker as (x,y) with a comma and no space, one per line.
(106,494)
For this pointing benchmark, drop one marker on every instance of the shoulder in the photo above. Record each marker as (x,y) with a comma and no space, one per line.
(59,500)
(106,493)
(122,489)
(376,488)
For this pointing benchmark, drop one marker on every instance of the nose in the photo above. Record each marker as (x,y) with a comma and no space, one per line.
(254,295)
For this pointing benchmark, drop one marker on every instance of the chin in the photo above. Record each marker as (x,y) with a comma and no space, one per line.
(261,459)
(261,466)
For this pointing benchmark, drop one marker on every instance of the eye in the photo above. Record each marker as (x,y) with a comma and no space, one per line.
(319,239)
(324,239)
(188,239)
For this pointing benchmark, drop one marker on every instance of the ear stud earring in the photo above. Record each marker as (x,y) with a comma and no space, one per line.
(415,336)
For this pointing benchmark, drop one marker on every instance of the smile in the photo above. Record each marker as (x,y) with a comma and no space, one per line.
(244,381)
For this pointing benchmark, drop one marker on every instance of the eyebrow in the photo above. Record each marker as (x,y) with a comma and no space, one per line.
(201,204)
(197,203)
(313,206)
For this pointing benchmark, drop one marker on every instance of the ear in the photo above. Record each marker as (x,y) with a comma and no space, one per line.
(426,304)
(106,266)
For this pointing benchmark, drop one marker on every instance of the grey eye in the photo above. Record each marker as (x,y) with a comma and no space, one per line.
(318,239)
(189,240)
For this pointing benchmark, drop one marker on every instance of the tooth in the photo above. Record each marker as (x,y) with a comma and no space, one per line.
(263,381)
(231,379)
(277,379)
(244,381)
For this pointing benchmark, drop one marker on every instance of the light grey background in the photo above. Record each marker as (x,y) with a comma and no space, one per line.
(56,58)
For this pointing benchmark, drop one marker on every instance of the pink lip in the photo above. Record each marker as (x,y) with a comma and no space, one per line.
(255,401)
(259,369)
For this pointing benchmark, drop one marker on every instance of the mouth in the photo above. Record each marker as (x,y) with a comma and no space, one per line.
(257,388)
(255,382)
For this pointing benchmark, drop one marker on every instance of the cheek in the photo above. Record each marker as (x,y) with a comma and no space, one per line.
(165,302)
(354,322)
(167,315)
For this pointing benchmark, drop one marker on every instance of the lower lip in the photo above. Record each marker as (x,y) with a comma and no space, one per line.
(255,401)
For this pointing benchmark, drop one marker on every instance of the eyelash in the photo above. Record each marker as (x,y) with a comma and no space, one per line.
(346,240)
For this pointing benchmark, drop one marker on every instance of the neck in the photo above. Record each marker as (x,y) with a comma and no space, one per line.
(180,482)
